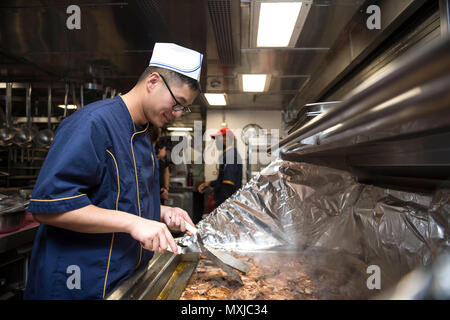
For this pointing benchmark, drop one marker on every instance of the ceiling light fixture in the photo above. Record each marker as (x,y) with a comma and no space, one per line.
(179,129)
(69,106)
(278,24)
(216,99)
(254,82)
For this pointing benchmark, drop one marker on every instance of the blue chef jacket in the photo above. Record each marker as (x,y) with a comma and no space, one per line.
(99,158)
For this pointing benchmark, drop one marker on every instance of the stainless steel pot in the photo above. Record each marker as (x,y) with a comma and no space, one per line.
(11,221)
(12,213)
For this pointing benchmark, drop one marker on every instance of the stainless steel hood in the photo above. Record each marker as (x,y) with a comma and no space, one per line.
(115,41)
(113,45)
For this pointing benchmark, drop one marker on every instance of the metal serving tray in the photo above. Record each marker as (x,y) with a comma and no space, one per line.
(164,278)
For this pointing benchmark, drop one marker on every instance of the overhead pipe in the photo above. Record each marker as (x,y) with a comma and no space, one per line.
(426,64)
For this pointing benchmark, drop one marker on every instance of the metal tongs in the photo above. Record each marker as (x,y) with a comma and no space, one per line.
(223,260)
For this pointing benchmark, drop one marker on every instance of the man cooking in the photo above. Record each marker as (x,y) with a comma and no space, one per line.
(229,179)
(97,195)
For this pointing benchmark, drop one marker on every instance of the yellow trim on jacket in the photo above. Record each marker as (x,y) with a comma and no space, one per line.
(137,184)
(66,198)
(228,182)
(113,234)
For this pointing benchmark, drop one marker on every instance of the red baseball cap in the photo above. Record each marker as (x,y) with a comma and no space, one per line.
(223,132)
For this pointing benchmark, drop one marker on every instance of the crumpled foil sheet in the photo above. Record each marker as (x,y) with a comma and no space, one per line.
(295,206)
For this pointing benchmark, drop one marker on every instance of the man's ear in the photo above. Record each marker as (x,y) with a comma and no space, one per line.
(151,81)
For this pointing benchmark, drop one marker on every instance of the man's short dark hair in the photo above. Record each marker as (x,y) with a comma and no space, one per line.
(154,133)
(163,142)
(171,77)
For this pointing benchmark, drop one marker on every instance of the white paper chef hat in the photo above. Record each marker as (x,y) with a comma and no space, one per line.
(179,59)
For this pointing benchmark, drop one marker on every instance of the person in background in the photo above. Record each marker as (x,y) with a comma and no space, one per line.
(164,171)
(154,134)
(163,164)
(229,179)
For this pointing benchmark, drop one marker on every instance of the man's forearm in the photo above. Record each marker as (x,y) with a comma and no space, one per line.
(152,235)
(166,178)
(90,219)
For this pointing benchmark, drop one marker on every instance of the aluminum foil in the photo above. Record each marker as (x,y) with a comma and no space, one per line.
(296,206)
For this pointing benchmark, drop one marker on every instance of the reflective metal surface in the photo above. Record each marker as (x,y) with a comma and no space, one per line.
(230,260)
(296,206)
(165,277)
(12,213)
(116,38)
(421,68)
(7,133)
(11,221)
(354,43)
(230,272)
(444,9)
(423,283)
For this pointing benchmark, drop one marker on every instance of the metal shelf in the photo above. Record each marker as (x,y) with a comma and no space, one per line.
(395,131)
(418,69)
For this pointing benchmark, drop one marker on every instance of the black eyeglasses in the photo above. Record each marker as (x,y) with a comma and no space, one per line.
(177,106)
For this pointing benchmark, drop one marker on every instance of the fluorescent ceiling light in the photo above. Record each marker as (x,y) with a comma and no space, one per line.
(276,23)
(69,106)
(253,82)
(216,99)
(179,129)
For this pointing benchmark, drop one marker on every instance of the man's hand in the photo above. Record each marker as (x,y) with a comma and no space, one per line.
(164,194)
(175,218)
(153,235)
(203,186)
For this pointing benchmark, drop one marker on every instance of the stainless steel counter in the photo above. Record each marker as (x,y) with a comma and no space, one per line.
(164,278)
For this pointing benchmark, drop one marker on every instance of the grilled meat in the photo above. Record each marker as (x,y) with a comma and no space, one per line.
(265,280)
(313,274)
